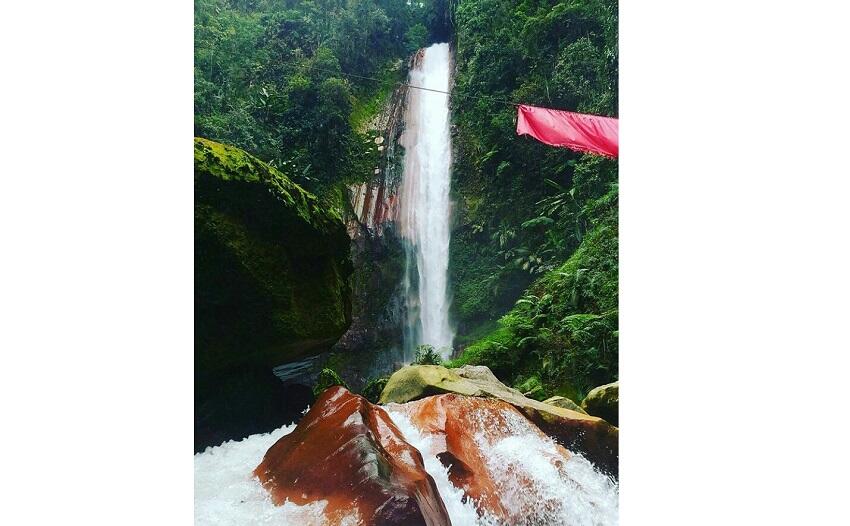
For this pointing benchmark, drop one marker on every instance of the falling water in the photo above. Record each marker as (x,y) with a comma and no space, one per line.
(424,217)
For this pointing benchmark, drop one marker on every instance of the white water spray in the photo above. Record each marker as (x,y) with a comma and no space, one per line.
(533,488)
(228,494)
(424,217)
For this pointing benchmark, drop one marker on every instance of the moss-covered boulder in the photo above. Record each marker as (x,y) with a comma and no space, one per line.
(418,381)
(566,403)
(604,401)
(271,285)
(578,431)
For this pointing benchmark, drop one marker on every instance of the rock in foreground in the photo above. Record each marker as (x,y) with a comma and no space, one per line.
(348,452)
(594,437)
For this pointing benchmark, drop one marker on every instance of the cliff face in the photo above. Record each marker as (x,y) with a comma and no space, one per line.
(374,202)
(271,286)
(372,345)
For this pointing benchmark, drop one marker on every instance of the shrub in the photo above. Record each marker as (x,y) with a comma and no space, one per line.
(427,355)
(327,378)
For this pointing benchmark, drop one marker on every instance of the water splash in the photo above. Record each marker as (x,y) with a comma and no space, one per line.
(424,217)
(534,487)
(461,510)
(228,494)
(552,493)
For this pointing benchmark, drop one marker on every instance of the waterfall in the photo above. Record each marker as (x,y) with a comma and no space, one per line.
(424,217)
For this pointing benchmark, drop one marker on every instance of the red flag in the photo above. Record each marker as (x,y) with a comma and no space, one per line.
(576,131)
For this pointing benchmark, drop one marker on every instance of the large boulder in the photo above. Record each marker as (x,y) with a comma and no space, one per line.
(417,381)
(348,452)
(604,402)
(487,444)
(594,437)
(271,287)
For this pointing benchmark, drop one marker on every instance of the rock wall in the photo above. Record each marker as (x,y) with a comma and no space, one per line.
(372,345)
(272,274)
(375,201)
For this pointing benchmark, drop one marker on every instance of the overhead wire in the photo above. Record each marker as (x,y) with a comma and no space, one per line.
(408,85)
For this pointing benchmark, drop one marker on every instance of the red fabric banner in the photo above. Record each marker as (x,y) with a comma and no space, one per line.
(576,131)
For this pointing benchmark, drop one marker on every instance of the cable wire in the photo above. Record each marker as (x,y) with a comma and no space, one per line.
(480,97)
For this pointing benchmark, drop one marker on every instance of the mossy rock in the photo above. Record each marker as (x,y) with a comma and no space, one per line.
(418,381)
(272,270)
(271,265)
(604,401)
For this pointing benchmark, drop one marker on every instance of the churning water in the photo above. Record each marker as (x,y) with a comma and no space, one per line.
(532,488)
(228,494)
(424,214)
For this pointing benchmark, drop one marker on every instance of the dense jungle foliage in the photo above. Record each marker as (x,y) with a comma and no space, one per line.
(533,263)
(530,213)
(269,77)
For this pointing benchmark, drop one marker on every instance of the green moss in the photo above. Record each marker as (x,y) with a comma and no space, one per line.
(230,164)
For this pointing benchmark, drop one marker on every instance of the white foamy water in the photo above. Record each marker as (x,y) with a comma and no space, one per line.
(424,216)
(570,493)
(534,487)
(227,493)
(461,513)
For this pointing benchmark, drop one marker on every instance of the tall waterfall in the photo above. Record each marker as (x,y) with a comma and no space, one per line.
(424,217)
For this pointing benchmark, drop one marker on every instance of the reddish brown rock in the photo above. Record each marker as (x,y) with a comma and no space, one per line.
(464,430)
(348,452)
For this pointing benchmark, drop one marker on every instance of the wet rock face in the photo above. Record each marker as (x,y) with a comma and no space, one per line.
(348,452)
(469,435)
